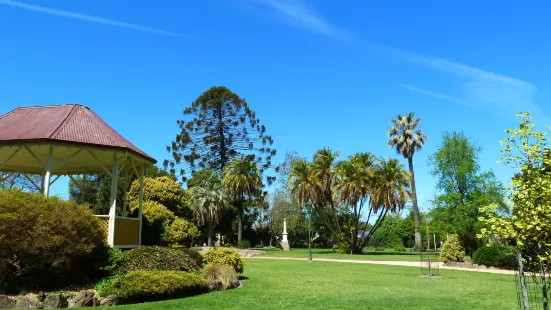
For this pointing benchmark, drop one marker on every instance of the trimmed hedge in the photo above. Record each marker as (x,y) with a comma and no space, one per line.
(47,242)
(495,255)
(149,285)
(157,258)
(224,256)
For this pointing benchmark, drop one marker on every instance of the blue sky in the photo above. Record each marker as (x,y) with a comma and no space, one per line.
(318,73)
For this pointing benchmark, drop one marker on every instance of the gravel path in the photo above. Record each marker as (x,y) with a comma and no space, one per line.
(392,263)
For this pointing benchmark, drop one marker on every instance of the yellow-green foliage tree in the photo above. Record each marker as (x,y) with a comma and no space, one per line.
(180,231)
(166,204)
(452,250)
(529,226)
(163,190)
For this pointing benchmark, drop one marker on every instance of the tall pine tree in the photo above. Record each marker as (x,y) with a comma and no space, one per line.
(222,127)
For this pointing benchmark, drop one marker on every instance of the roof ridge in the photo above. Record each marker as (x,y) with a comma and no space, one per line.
(50,106)
(63,122)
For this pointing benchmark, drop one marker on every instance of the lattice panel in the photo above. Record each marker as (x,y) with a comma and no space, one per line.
(104,222)
(127,232)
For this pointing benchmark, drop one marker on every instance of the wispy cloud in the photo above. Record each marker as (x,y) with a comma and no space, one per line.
(485,90)
(433,94)
(302,14)
(88,18)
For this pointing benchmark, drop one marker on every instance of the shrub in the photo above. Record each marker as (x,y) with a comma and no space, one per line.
(452,250)
(103,284)
(147,285)
(47,241)
(180,231)
(106,259)
(244,244)
(224,256)
(157,258)
(220,277)
(342,248)
(195,255)
(495,255)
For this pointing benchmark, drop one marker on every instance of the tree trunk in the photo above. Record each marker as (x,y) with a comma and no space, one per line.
(240,225)
(522,282)
(210,233)
(418,242)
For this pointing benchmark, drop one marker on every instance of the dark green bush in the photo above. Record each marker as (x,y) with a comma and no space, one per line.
(224,256)
(495,255)
(244,244)
(106,282)
(157,258)
(195,255)
(47,242)
(106,259)
(149,285)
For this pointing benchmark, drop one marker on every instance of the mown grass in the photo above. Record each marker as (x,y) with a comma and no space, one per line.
(281,284)
(329,254)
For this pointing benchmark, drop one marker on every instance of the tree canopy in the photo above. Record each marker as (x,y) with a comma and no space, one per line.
(222,127)
(462,189)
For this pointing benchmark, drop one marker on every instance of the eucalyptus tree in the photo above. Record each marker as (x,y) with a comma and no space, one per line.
(242,180)
(208,200)
(406,137)
(222,127)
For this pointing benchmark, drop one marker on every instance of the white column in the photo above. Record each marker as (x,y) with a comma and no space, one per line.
(284,230)
(140,202)
(113,201)
(47,177)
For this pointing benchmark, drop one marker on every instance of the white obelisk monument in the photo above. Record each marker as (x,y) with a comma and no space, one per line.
(284,242)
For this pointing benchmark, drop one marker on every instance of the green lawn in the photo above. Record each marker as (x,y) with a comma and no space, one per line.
(281,284)
(328,253)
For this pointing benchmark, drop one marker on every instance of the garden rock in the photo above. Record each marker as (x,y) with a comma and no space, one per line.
(84,299)
(111,300)
(7,302)
(26,303)
(55,301)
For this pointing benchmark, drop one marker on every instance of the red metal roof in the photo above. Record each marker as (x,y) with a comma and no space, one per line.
(72,123)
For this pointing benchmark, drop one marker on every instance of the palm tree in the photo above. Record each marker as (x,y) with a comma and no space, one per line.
(407,138)
(322,177)
(208,199)
(300,181)
(353,182)
(390,190)
(242,180)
